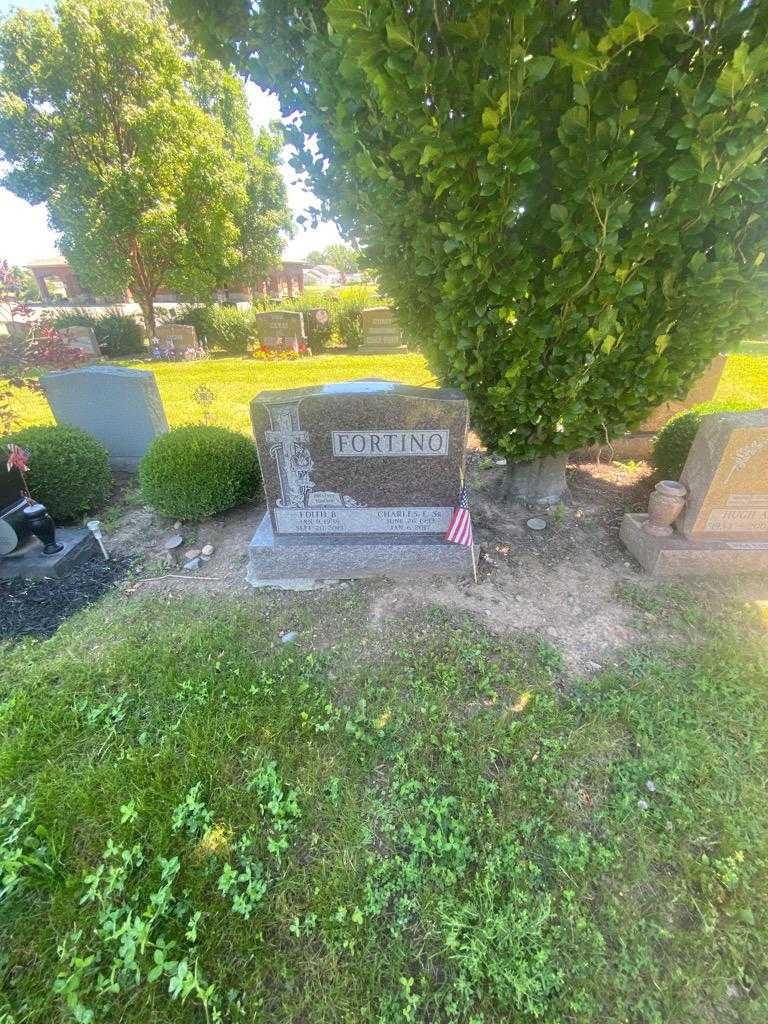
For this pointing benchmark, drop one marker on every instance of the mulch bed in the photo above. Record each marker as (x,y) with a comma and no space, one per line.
(37,607)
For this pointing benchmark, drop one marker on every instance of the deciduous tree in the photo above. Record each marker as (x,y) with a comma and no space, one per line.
(142,151)
(566,198)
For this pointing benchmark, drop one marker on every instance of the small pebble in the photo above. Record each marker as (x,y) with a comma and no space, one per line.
(536,523)
(207,550)
(192,553)
(174,542)
(193,563)
(177,525)
(500,462)
(289,637)
(643,805)
(650,786)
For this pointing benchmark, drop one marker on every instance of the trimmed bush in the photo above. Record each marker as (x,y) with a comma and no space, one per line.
(224,327)
(197,471)
(116,333)
(670,450)
(68,469)
(119,335)
(351,303)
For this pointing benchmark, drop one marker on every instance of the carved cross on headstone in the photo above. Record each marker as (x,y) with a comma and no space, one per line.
(288,447)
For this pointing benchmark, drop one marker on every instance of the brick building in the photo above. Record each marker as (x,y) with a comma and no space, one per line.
(56,280)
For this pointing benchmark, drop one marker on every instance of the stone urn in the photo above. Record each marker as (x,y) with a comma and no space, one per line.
(664,506)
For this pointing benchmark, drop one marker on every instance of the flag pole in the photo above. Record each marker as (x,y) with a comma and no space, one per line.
(474,562)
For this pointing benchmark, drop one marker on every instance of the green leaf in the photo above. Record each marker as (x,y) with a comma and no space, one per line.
(398,35)
(490,118)
(558,212)
(538,68)
(661,343)
(628,91)
(683,169)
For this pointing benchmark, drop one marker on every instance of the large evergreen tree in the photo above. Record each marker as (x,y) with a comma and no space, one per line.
(567,199)
(142,150)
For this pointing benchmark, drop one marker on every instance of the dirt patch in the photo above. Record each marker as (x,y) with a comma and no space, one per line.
(558,584)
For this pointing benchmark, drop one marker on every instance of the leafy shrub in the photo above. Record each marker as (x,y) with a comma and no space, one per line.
(671,447)
(116,333)
(119,335)
(68,469)
(224,327)
(351,303)
(197,471)
(320,319)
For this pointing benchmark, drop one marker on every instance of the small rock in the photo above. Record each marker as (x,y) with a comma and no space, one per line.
(207,550)
(500,462)
(192,553)
(173,542)
(643,804)
(594,665)
(193,563)
(650,786)
(536,523)
(289,637)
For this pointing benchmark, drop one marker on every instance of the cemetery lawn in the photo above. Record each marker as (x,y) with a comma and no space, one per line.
(414,823)
(235,381)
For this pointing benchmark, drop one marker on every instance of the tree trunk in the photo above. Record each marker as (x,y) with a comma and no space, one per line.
(539,482)
(147,304)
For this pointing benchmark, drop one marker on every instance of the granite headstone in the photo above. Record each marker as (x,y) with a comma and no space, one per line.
(82,339)
(361,479)
(381,331)
(118,406)
(281,330)
(178,338)
(723,527)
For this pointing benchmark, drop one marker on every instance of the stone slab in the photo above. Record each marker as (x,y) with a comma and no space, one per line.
(179,337)
(29,561)
(281,330)
(82,339)
(680,556)
(702,390)
(726,474)
(302,562)
(381,331)
(361,458)
(120,407)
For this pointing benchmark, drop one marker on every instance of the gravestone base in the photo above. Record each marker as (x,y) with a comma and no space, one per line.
(302,563)
(30,561)
(679,556)
(379,350)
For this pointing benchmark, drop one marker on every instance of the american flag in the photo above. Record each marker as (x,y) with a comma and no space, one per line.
(460,527)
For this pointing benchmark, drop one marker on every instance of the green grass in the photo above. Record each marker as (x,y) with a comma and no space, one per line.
(745,378)
(236,381)
(421,828)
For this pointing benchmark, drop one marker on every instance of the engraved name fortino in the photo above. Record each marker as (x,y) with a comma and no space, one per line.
(361,443)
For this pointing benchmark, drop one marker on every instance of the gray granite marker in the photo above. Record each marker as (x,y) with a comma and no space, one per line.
(119,407)
(361,479)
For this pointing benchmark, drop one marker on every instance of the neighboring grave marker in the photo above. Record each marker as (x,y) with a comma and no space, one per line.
(726,474)
(724,525)
(118,406)
(281,330)
(361,479)
(179,338)
(80,338)
(381,331)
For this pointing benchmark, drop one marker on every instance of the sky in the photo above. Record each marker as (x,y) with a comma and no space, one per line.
(24,231)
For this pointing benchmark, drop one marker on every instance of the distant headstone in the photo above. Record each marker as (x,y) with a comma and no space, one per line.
(381,331)
(702,390)
(723,527)
(178,341)
(118,406)
(281,330)
(82,339)
(361,479)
